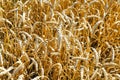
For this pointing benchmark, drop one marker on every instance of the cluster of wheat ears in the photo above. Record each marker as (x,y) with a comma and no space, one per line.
(59,39)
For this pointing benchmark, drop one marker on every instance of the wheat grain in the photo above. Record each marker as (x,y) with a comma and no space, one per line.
(79,58)
(55,53)
(59,39)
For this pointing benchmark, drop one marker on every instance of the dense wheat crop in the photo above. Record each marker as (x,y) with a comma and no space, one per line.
(59,39)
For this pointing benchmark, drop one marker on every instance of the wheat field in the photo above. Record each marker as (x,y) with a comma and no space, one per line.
(59,39)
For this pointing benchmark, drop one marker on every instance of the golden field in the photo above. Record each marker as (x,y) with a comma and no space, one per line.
(59,39)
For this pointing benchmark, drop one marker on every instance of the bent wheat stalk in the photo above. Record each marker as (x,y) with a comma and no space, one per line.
(96,56)
(6,71)
(94,74)
(105,73)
